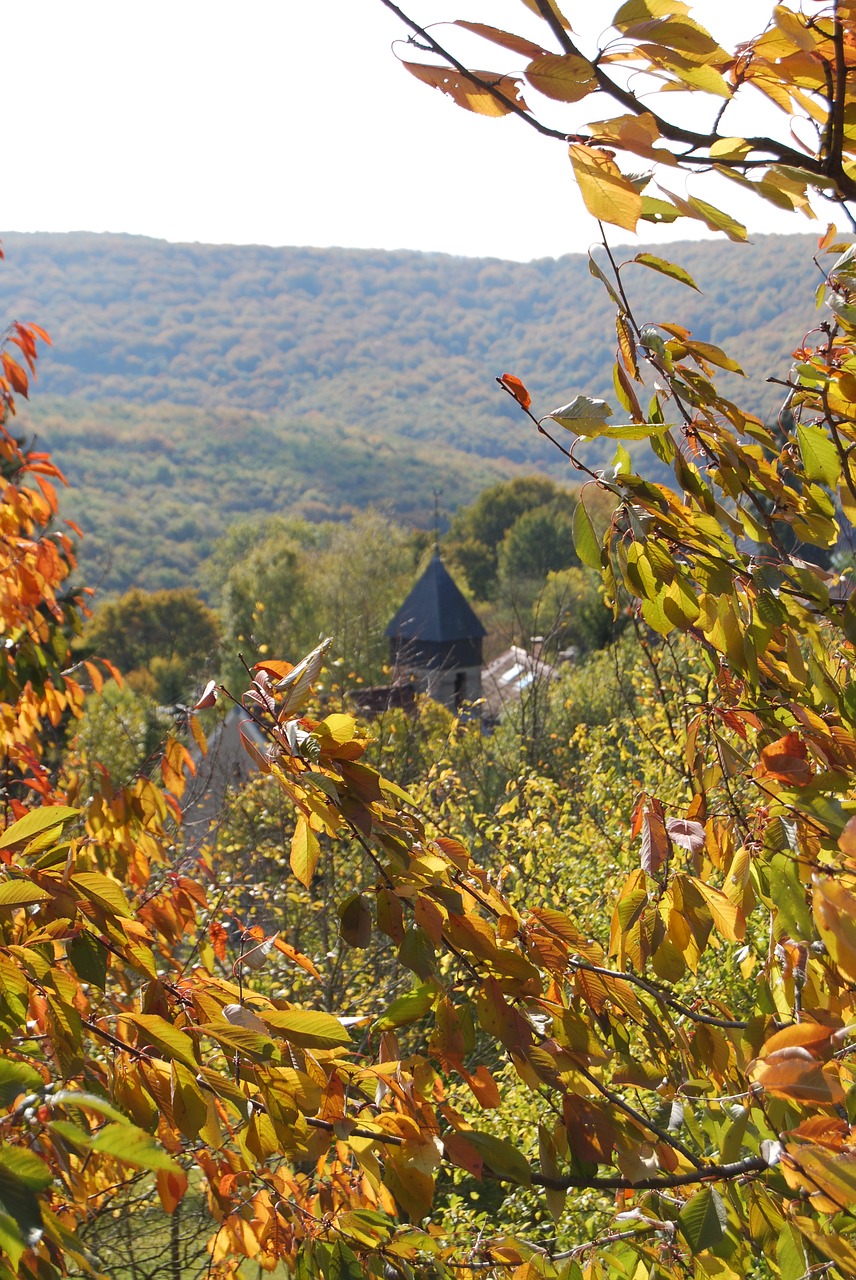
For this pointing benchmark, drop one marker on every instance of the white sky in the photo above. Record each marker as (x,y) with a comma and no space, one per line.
(288,122)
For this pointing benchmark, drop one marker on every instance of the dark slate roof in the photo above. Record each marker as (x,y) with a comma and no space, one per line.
(436,610)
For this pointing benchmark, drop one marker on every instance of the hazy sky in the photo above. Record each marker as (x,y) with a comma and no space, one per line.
(284,122)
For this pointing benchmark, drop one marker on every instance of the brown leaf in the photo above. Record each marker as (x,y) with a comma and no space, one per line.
(209,696)
(686,834)
(655,841)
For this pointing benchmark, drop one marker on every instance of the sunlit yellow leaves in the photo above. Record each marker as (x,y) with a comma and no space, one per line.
(607,194)
(827,1177)
(472,94)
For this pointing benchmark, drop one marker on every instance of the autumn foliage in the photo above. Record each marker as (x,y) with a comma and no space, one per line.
(685,1062)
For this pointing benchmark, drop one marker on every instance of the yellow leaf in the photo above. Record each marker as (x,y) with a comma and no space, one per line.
(835,916)
(557,12)
(608,195)
(565,77)
(727,916)
(305,851)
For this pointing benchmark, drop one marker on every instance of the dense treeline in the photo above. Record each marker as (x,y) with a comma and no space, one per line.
(192,385)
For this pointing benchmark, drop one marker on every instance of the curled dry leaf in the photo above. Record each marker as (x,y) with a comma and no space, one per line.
(209,696)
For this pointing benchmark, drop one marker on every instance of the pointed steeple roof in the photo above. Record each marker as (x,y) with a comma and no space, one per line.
(436,610)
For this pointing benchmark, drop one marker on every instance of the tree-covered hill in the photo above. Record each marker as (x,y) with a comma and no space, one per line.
(190,384)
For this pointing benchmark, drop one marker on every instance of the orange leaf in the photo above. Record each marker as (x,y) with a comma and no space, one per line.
(218,937)
(95,676)
(297,956)
(15,374)
(807,1035)
(463,1154)
(198,735)
(796,1074)
(516,388)
(171,1189)
(484,1087)
(786,759)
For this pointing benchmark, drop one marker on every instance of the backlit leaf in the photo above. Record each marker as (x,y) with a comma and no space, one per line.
(607,194)
(129,1145)
(586,542)
(666,268)
(564,76)
(472,95)
(308,1028)
(36,821)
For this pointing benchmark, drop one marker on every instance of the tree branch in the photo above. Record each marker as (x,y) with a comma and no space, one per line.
(707,1173)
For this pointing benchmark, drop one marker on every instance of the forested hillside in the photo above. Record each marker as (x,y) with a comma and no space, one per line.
(192,384)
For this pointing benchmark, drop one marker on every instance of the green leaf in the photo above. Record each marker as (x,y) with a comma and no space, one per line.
(34,822)
(659,211)
(11,1241)
(22,1176)
(130,1145)
(407,1008)
(355,920)
(666,269)
(69,1099)
(819,455)
(21,892)
(27,1168)
(586,541)
(703,1220)
(88,957)
(501,1157)
(17,1078)
(712,217)
(345,1265)
(790,1254)
(306,1028)
(71,1132)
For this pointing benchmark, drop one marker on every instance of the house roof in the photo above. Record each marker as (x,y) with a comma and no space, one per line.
(509,676)
(436,610)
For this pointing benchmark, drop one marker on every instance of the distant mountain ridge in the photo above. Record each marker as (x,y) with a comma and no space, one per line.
(359,374)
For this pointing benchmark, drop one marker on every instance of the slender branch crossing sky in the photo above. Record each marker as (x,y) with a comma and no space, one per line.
(288,122)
